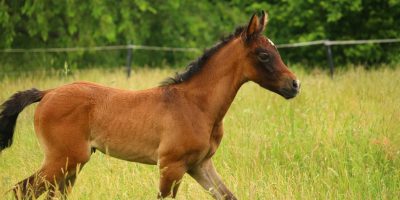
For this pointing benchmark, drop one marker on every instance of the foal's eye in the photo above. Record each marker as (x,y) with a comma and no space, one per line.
(264,57)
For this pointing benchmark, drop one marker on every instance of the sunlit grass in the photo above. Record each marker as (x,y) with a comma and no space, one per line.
(339,139)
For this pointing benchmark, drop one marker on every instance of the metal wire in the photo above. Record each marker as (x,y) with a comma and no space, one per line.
(182,49)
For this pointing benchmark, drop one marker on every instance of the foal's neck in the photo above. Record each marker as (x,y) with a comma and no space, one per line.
(215,86)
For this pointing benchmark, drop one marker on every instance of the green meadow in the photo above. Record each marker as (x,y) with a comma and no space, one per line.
(339,139)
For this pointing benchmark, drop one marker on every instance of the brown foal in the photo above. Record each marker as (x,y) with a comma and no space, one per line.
(177,126)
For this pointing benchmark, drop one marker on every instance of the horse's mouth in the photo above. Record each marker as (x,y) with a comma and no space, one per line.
(288,93)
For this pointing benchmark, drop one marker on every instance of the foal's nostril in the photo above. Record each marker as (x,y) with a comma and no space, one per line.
(296,84)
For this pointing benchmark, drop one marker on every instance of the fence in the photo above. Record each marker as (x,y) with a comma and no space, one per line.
(328,44)
(130,48)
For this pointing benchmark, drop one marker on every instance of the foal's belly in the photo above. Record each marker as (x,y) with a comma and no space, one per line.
(128,126)
(127,147)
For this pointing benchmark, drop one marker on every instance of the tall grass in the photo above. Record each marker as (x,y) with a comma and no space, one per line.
(339,139)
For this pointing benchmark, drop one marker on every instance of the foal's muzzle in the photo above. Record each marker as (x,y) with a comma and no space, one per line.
(292,89)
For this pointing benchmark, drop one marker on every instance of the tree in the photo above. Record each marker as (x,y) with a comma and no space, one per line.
(182,23)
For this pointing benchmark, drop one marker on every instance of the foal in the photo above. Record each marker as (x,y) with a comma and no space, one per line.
(177,125)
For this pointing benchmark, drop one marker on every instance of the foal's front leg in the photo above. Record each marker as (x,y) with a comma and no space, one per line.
(206,175)
(171,174)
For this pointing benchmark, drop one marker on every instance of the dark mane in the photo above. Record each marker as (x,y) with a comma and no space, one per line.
(195,66)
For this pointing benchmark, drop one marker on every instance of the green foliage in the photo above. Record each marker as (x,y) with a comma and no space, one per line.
(182,23)
(337,20)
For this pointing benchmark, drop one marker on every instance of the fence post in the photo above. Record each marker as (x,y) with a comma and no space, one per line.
(330,57)
(129,61)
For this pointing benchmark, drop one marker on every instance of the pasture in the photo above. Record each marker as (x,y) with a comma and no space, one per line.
(339,139)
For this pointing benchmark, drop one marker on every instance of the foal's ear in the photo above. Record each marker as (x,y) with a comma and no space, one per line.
(253,27)
(263,21)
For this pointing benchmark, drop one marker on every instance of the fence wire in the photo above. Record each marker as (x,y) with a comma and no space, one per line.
(183,49)
(130,48)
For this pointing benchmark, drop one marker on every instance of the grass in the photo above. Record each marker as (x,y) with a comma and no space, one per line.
(339,139)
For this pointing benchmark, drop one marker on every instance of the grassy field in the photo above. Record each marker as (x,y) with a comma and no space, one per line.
(339,139)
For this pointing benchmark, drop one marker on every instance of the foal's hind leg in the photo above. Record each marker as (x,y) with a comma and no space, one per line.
(41,181)
(52,177)
(31,187)
(63,185)
(63,133)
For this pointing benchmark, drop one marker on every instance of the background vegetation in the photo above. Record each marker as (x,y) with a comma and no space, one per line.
(183,23)
(339,139)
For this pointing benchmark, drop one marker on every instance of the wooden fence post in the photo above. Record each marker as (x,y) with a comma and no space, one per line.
(330,57)
(129,61)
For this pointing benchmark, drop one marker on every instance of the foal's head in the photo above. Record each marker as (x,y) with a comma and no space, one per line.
(263,64)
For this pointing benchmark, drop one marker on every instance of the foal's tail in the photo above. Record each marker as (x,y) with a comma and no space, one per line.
(10,110)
